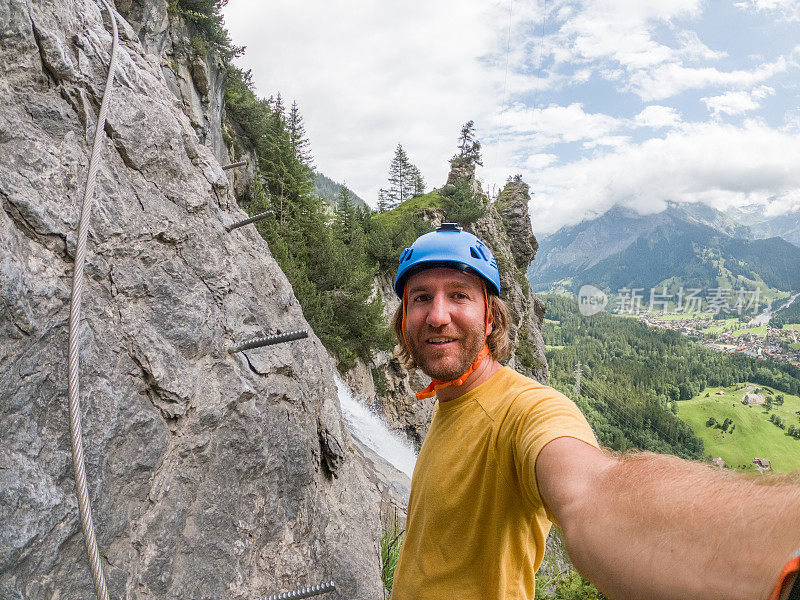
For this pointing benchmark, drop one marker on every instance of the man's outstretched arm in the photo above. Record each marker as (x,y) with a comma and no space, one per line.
(656,527)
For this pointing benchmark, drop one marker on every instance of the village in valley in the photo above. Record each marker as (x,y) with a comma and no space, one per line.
(745,326)
(733,335)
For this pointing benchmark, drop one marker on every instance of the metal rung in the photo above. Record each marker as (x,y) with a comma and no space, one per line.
(314,590)
(268,341)
(249,220)
(241,163)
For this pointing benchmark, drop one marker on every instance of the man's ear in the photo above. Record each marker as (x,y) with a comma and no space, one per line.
(490,321)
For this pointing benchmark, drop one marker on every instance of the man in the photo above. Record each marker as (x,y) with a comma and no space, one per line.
(505,457)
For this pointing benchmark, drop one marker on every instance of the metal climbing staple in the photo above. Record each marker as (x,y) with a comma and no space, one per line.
(249,220)
(308,592)
(268,340)
(241,163)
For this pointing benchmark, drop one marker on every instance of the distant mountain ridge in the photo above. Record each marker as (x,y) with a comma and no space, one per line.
(691,245)
(329,190)
(786,226)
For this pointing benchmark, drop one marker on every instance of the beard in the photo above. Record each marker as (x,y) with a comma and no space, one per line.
(445,364)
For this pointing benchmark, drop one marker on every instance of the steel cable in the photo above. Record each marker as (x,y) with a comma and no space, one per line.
(76,435)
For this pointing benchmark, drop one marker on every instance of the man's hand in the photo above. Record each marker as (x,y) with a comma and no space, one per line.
(658,527)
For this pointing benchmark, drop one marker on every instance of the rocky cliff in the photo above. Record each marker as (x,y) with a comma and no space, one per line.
(506,228)
(211,475)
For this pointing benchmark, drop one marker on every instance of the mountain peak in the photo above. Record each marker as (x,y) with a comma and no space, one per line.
(622,211)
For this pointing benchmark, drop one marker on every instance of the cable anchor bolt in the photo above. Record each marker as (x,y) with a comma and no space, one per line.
(269,340)
(248,220)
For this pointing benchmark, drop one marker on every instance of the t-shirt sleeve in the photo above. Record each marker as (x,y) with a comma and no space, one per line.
(543,415)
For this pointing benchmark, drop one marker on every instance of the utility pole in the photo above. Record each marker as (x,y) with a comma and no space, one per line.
(578,373)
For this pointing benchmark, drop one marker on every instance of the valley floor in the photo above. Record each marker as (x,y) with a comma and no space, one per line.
(731,335)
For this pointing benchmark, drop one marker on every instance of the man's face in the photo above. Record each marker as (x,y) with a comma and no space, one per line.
(445,321)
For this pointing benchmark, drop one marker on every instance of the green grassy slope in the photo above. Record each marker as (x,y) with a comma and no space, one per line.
(754,435)
(412,206)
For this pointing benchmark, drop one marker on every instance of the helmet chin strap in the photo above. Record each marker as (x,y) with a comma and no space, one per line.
(435,384)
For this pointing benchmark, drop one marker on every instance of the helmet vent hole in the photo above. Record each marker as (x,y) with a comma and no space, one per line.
(474,253)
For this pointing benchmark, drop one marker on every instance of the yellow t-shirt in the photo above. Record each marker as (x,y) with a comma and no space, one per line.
(476,525)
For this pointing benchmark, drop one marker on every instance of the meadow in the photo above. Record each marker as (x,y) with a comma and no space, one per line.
(753,435)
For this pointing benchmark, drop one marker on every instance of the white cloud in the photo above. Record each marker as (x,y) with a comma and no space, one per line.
(792,118)
(656,116)
(673,78)
(693,48)
(623,29)
(788,9)
(718,164)
(558,124)
(621,42)
(785,203)
(614,141)
(539,161)
(737,103)
(604,32)
(529,128)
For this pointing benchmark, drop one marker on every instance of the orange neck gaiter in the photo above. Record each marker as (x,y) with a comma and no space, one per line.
(436,385)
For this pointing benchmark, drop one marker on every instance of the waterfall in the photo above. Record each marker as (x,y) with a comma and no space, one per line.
(373,432)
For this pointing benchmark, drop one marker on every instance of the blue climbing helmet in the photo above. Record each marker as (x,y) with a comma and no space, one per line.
(448,246)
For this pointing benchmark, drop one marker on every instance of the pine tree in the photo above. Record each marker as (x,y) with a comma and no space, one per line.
(417,183)
(405,181)
(276,105)
(469,149)
(399,175)
(346,217)
(297,137)
(383,200)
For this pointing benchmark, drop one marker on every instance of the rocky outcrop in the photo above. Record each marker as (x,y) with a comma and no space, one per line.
(512,205)
(211,475)
(463,170)
(506,228)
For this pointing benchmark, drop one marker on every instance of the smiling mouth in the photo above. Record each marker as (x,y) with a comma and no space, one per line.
(440,340)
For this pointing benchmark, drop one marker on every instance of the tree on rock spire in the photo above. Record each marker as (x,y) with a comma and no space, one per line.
(469,148)
(405,181)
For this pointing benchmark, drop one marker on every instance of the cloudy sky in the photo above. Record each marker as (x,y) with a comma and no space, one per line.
(593,102)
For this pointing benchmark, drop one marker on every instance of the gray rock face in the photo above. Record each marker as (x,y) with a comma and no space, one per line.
(194,75)
(526,310)
(211,475)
